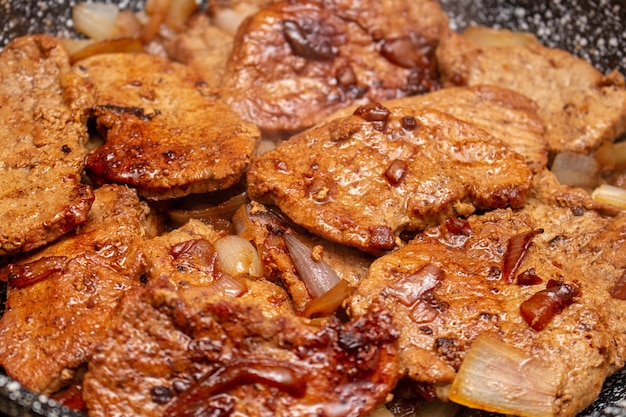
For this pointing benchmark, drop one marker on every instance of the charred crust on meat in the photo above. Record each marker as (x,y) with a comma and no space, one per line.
(135,111)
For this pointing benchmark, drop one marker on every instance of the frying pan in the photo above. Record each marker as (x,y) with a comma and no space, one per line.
(592,29)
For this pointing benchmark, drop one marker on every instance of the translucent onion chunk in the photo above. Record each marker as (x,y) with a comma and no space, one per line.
(499,378)
(95,20)
(238,256)
(609,194)
(575,169)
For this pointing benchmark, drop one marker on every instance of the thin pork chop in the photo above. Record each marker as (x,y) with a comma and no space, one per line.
(364,179)
(581,107)
(509,116)
(294,63)
(539,279)
(219,356)
(62,298)
(163,134)
(43,130)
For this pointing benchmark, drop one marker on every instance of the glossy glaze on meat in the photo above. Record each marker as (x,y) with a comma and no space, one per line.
(294,63)
(450,285)
(364,179)
(163,134)
(43,132)
(63,298)
(224,357)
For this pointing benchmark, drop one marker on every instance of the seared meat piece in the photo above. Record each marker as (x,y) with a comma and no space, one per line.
(205,48)
(266,226)
(581,107)
(43,130)
(364,179)
(456,282)
(187,257)
(294,63)
(163,135)
(221,356)
(509,116)
(62,298)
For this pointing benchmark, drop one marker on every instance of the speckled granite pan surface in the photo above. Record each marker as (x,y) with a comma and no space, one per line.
(592,29)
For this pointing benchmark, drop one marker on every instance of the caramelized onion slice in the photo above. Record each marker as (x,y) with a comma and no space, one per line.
(214,214)
(499,378)
(575,169)
(318,276)
(516,251)
(107,46)
(273,373)
(542,306)
(22,275)
(329,302)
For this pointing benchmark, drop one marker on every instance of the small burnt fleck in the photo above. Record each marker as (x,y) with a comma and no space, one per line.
(409,123)
(396,172)
(66,149)
(161,394)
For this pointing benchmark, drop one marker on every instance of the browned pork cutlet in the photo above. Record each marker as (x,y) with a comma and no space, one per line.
(43,131)
(265,227)
(170,356)
(581,107)
(62,298)
(455,282)
(509,116)
(188,258)
(294,63)
(163,135)
(364,179)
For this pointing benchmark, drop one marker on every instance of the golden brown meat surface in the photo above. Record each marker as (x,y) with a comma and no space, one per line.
(63,298)
(580,106)
(364,179)
(455,282)
(163,135)
(43,131)
(509,116)
(169,356)
(294,63)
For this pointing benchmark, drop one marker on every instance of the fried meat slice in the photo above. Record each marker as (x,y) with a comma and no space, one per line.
(509,116)
(581,107)
(538,279)
(172,356)
(187,257)
(163,135)
(294,63)
(62,298)
(43,131)
(265,227)
(364,179)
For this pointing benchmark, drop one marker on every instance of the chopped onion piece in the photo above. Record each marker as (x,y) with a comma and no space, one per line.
(575,169)
(329,302)
(106,47)
(318,277)
(222,211)
(612,155)
(609,194)
(238,256)
(499,378)
(95,20)
(179,13)
(229,19)
(264,146)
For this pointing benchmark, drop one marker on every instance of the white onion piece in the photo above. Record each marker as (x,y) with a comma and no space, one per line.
(229,19)
(264,146)
(575,169)
(238,256)
(318,277)
(95,20)
(609,194)
(499,378)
